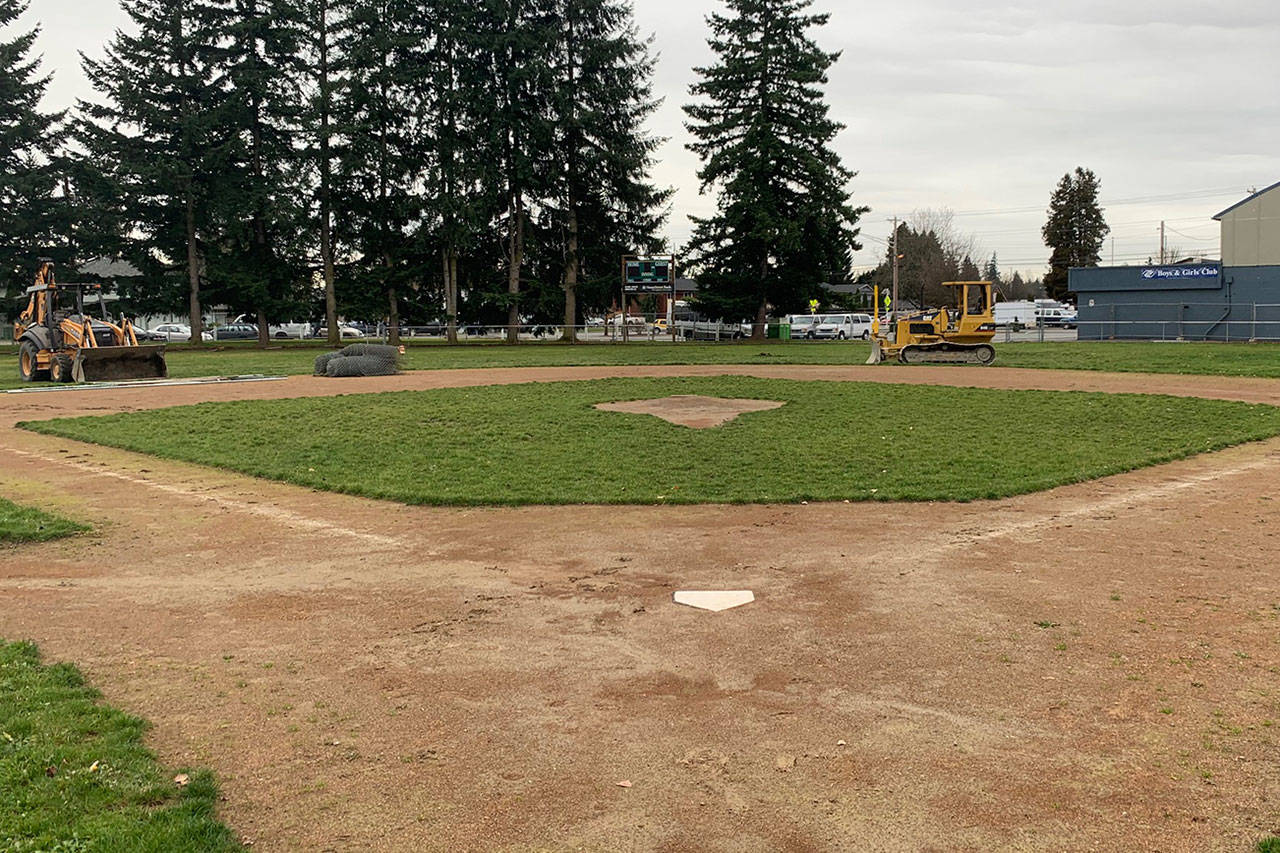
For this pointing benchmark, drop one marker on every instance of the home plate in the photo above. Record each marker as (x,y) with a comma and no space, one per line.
(715,600)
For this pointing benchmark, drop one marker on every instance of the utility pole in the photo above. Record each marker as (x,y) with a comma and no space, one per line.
(895,270)
(1161,242)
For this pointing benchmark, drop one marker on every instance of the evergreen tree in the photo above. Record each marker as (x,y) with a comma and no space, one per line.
(381,163)
(28,182)
(256,56)
(454,89)
(1075,229)
(602,204)
(784,222)
(323,70)
(518,36)
(158,140)
(991,272)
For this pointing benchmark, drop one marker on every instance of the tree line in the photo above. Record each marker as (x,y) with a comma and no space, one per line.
(404,156)
(428,160)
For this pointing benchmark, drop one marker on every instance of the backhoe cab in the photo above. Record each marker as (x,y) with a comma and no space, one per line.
(960,334)
(59,341)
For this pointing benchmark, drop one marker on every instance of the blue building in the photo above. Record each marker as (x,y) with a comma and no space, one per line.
(1235,299)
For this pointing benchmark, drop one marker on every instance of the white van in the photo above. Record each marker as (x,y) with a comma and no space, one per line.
(841,327)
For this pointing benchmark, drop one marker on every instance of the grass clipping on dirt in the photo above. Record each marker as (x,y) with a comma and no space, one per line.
(76,776)
(544,443)
(25,524)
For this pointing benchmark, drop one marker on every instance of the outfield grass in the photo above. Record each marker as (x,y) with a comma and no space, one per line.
(75,776)
(546,444)
(1261,360)
(25,524)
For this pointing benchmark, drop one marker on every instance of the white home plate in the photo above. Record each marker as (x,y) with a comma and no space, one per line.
(716,600)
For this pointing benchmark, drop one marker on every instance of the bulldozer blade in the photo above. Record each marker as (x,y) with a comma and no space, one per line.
(101,364)
(876,356)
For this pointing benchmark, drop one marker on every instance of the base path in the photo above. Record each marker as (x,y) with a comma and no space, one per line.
(1093,667)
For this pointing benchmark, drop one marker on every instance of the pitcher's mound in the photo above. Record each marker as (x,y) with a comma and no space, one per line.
(691,410)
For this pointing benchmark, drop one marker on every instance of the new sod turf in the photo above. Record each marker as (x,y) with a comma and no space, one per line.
(25,524)
(74,775)
(545,443)
(1261,360)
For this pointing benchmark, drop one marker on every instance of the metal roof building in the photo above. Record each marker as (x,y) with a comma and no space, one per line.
(1235,299)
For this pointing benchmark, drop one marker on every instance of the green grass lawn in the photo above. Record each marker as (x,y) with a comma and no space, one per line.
(1201,358)
(545,443)
(24,524)
(75,776)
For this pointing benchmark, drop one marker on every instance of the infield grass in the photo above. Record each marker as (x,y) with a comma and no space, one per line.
(26,524)
(544,443)
(75,775)
(1259,360)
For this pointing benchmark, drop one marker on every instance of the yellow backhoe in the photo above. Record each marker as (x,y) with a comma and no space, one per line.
(63,343)
(961,334)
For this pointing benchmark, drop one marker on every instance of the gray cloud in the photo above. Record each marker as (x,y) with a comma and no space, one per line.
(976,106)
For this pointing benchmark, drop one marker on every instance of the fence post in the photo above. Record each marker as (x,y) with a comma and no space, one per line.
(1253,329)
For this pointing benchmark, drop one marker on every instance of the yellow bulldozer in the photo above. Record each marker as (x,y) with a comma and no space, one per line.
(61,342)
(961,334)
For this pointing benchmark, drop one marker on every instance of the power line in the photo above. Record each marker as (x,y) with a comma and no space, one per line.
(1152,199)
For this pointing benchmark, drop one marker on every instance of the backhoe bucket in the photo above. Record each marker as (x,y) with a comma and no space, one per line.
(106,364)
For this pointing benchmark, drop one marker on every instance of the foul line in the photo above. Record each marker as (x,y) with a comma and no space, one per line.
(270,512)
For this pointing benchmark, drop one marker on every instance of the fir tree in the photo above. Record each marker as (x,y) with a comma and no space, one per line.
(784,221)
(256,56)
(517,36)
(603,204)
(381,161)
(28,182)
(158,139)
(1075,229)
(453,94)
(991,272)
(323,70)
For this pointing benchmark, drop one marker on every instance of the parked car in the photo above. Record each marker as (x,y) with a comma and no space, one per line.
(179,332)
(147,335)
(1064,318)
(344,331)
(841,327)
(236,332)
(660,326)
(291,330)
(434,329)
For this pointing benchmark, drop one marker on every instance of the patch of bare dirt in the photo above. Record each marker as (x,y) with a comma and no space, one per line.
(1088,668)
(692,410)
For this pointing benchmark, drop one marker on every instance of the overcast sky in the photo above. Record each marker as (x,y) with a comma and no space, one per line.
(974,105)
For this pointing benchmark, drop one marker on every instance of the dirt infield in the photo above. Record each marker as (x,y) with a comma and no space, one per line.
(1095,667)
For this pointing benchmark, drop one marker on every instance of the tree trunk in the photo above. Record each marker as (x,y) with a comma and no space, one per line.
(762,313)
(264,328)
(571,280)
(513,274)
(449,263)
(193,273)
(326,179)
(393,308)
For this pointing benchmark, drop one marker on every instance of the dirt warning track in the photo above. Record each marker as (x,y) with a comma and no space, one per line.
(1094,667)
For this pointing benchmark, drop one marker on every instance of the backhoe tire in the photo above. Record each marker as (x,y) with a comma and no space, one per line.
(27,369)
(60,368)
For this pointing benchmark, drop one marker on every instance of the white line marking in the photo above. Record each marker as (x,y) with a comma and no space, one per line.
(273,513)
